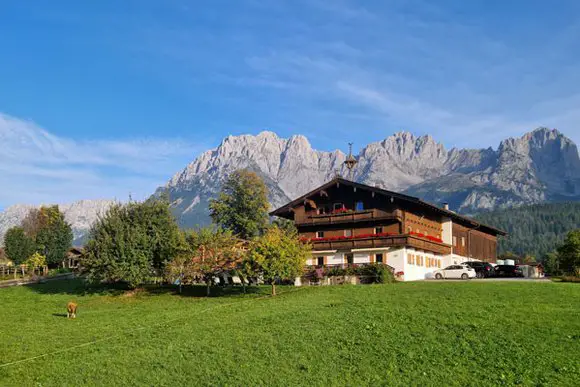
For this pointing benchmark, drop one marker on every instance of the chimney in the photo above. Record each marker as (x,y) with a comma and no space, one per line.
(446,206)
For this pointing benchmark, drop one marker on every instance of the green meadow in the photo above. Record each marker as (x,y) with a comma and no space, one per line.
(424,333)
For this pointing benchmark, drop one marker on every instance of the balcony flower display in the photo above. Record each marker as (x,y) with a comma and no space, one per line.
(341,210)
(362,236)
(429,237)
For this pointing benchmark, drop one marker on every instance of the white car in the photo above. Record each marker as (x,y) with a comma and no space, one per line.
(455,271)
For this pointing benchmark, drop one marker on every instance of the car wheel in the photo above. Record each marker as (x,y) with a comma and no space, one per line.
(464,276)
(438,276)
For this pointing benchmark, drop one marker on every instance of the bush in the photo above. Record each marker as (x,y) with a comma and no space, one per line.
(570,278)
(378,272)
(131,243)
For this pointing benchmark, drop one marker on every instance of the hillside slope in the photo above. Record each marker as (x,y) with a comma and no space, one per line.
(535,229)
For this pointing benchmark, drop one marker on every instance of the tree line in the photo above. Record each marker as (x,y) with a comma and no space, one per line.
(138,243)
(42,239)
(549,233)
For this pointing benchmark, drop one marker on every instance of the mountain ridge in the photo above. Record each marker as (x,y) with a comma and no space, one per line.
(80,215)
(542,165)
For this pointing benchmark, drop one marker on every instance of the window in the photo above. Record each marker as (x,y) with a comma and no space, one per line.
(347,233)
(463,241)
(410,259)
(454,241)
(349,258)
(379,258)
(320,234)
(359,206)
(320,261)
(378,230)
(338,206)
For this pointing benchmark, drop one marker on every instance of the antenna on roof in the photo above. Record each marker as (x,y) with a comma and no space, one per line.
(350,161)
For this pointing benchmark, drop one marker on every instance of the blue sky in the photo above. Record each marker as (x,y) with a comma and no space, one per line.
(108,98)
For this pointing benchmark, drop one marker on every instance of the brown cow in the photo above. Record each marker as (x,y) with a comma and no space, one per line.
(71,309)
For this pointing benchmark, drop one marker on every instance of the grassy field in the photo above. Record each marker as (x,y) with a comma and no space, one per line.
(428,333)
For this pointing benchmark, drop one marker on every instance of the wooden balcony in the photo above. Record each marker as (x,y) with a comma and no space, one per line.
(413,241)
(349,217)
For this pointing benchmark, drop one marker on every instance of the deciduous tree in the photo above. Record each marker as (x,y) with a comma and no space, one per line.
(569,253)
(35,261)
(52,234)
(132,242)
(242,205)
(214,252)
(278,255)
(17,245)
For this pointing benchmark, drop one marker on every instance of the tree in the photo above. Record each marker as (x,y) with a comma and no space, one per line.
(52,234)
(569,253)
(242,205)
(132,243)
(17,245)
(552,263)
(213,252)
(35,261)
(285,225)
(277,255)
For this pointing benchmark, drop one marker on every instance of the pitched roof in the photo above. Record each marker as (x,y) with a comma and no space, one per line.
(411,199)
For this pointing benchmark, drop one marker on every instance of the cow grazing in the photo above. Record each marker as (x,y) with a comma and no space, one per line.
(71,309)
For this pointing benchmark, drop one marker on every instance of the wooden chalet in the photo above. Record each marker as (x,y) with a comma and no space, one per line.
(353,223)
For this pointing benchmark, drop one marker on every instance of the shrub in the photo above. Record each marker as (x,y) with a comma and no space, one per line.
(35,261)
(131,243)
(570,278)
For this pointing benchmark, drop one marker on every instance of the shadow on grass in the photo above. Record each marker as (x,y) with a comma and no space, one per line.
(59,315)
(80,287)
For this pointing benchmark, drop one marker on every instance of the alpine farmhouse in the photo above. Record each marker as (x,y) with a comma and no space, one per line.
(351,223)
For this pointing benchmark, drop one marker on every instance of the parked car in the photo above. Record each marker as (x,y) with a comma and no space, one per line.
(508,271)
(455,271)
(482,269)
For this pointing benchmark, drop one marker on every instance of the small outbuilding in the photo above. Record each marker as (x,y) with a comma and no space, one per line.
(532,270)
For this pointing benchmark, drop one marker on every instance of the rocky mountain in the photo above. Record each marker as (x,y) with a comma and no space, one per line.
(541,166)
(80,215)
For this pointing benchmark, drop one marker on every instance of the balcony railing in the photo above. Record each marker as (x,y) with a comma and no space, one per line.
(379,241)
(349,216)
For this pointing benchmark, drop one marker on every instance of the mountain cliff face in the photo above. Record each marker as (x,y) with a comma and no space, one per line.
(80,215)
(540,166)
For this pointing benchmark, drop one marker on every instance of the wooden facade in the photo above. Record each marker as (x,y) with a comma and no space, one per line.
(347,216)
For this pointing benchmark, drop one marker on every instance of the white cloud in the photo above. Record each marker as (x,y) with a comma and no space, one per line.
(37,166)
